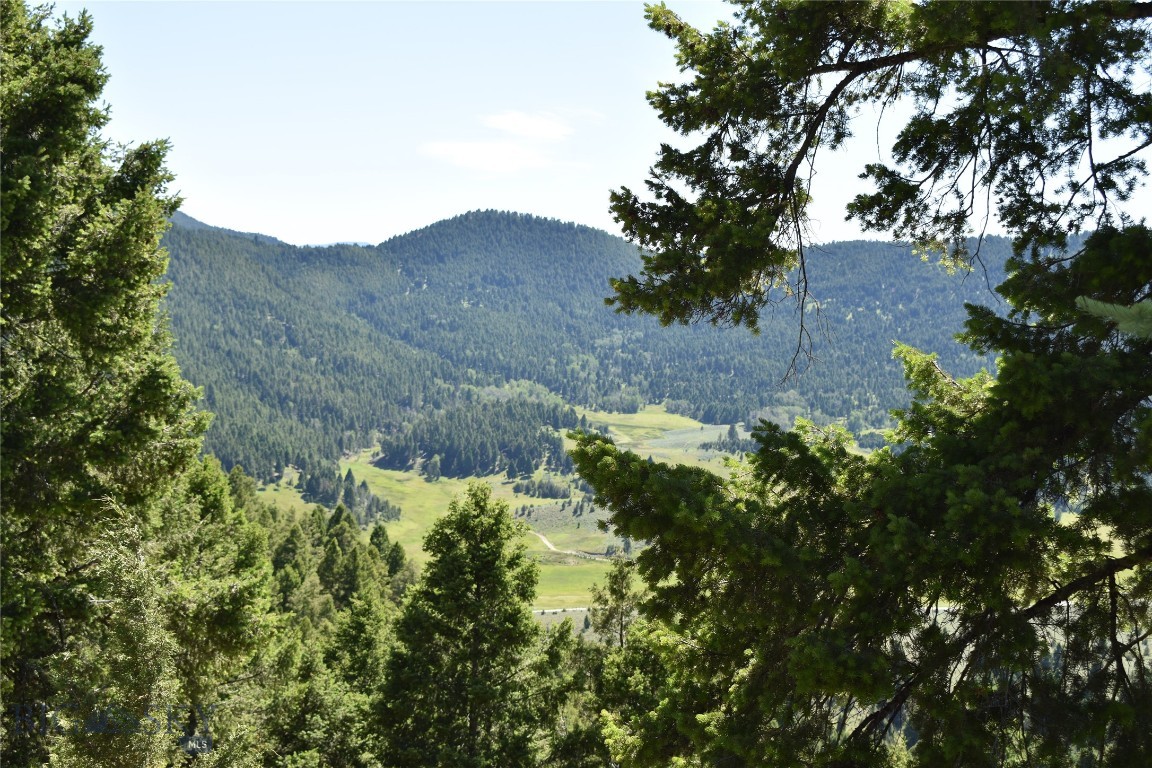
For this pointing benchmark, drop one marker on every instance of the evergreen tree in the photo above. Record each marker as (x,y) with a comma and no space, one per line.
(820,607)
(1135,320)
(216,576)
(391,552)
(98,423)
(356,653)
(783,85)
(348,566)
(291,563)
(314,716)
(462,684)
(614,604)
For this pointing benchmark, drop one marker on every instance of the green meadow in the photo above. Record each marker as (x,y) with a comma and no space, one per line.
(578,561)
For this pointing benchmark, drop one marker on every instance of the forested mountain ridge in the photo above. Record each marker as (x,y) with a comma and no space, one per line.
(305,352)
(920,606)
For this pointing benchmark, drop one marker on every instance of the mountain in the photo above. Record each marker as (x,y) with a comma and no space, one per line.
(305,352)
(184,221)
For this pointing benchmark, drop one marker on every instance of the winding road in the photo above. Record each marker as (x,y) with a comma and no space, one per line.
(551,546)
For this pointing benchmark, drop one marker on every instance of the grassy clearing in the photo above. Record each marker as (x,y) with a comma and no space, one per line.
(651,422)
(283,494)
(565,531)
(552,617)
(666,437)
(584,538)
(420,501)
(682,446)
(564,579)
(566,584)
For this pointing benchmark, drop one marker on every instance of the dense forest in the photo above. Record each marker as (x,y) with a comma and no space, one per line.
(305,353)
(922,604)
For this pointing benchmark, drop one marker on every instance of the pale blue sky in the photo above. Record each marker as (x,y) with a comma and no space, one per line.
(356,121)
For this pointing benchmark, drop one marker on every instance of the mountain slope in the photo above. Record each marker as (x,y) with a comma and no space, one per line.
(307,352)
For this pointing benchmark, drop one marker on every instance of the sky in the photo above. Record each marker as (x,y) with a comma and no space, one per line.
(357,121)
(322,122)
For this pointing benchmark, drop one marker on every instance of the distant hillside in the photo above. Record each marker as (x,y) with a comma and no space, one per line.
(306,352)
(184,221)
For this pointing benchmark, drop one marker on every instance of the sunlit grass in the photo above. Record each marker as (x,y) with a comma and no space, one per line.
(565,580)
(283,494)
(652,421)
(568,584)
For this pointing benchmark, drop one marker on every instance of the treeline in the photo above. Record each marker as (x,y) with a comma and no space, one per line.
(290,639)
(544,488)
(306,353)
(365,507)
(321,563)
(482,438)
(914,606)
(291,382)
(730,442)
(254,632)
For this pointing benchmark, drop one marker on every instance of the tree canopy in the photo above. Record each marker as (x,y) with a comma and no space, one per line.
(1013,106)
(426,344)
(976,592)
(98,423)
(464,684)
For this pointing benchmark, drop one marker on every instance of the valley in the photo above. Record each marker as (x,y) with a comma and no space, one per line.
(474,495)
(564,578)
(470,348)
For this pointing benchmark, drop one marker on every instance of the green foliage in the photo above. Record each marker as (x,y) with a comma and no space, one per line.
(1007,100)
(544,488)
(348,567)
(458,340)
(481,438)
(113,668)
(819,582)
(921,604)
(390,551)
(216,572)
(140,601)
(321,674)
(924,604)
(614,604)
(577,741)
(636,698)
(1136,319)
(603,674)
(98,423)
(466,682)
(730,443)
(315,716)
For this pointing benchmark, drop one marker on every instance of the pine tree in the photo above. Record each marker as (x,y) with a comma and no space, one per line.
(98,423)
(461,683)
(821,602)
(216,574)
(614,604)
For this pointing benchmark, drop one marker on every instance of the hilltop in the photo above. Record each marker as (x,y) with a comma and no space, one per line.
(309,353)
